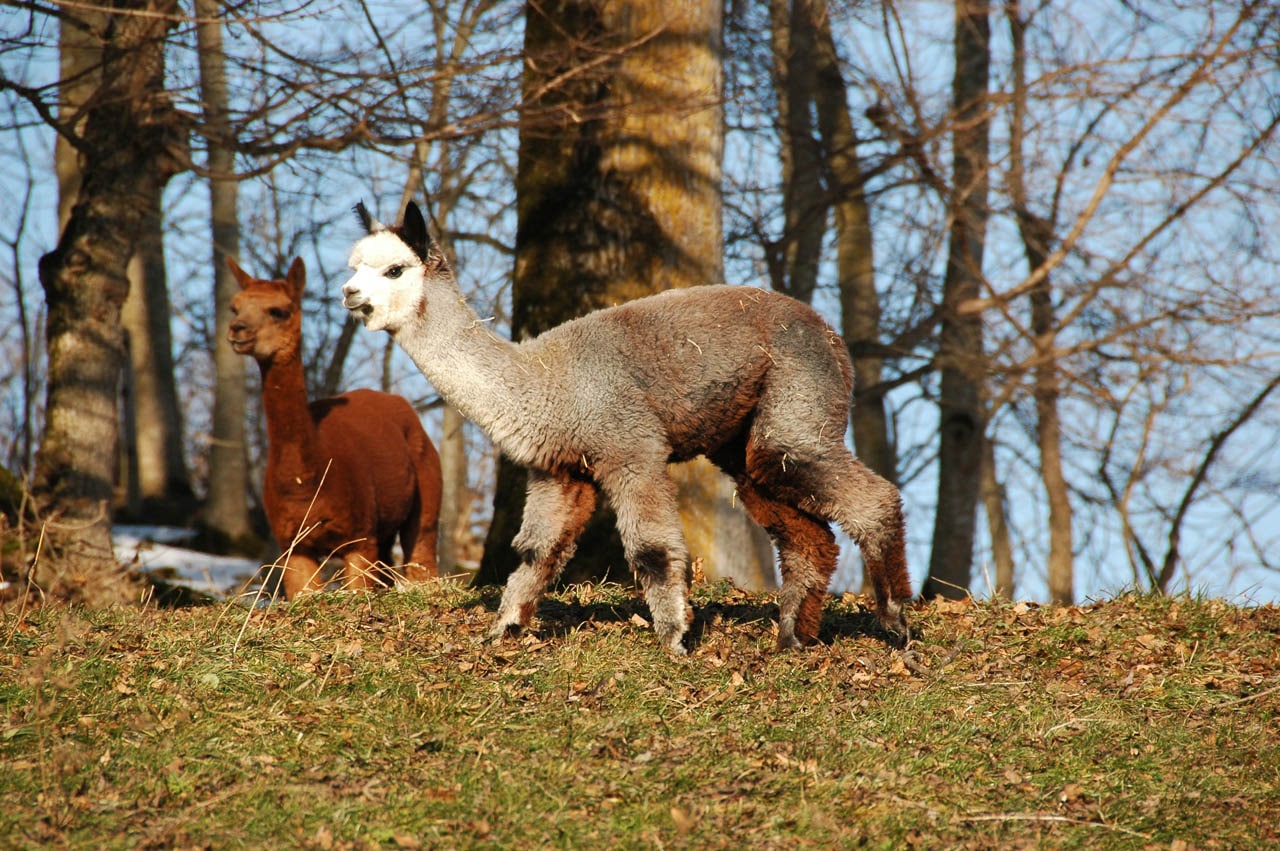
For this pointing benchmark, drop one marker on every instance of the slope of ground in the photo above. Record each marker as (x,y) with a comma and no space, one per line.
(368,721)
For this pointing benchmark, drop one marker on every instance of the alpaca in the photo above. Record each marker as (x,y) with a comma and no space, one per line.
(346,474)
(755,381)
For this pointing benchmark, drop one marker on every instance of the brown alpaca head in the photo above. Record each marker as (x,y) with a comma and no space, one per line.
(266,316)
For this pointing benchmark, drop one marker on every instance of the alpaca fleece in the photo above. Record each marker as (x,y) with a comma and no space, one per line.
(755,381)
(345,476)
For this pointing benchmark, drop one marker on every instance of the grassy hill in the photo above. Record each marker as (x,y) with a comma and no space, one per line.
(354,721)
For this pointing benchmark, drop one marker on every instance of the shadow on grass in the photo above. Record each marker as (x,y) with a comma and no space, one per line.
(566,612)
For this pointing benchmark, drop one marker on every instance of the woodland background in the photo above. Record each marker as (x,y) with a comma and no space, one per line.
(1046,231)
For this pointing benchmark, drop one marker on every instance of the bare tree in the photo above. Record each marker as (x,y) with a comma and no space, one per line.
(156,478)
(126,147)
(227,505)
(618,192)
(960,338)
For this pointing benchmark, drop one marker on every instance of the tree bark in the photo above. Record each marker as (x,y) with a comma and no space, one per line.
(126,145)
(810,83)
(993,505)
(855,254)
(618,197)
(1036,233)
(227,504)
(961,420)
(159,487)
(794,268)
(455,496)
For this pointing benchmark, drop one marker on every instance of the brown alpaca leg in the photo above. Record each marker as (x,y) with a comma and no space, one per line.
(420,536)
(419,544)
(301,573)
(807,554)
(556,510)
(364,570)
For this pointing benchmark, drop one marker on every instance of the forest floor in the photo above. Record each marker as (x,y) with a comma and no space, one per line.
(352,720)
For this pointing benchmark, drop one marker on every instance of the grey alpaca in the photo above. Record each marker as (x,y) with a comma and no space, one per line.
(755,381)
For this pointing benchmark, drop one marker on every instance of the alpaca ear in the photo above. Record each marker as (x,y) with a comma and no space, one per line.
(297,279)
(366,218)
(241,276)
(413,230)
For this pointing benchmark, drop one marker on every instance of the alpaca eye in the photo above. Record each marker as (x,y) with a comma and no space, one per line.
(395,272)
(279,313)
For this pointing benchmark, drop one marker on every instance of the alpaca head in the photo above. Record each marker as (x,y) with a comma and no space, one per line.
(393,266)
(266,316)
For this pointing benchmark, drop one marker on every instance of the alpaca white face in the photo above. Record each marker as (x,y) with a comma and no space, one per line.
(387,285)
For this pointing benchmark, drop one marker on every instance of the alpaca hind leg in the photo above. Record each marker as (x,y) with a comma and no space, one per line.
(869,509)
(418,541)
(807,553)
(420,536)
(556,510)
(653,540)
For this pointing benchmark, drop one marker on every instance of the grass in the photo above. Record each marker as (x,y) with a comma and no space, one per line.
(381,721)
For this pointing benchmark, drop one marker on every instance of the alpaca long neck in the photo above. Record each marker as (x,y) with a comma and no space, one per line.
(291,433)
(481,374)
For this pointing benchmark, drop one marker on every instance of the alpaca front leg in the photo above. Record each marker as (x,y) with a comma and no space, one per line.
(663,575)
(301,574)
(808,558)
(520,598)
(644,498)
(556,510)
(361,573)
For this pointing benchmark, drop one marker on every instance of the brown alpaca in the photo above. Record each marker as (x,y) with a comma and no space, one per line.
(344,475)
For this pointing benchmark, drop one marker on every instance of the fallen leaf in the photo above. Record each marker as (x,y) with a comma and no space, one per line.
(683,820)
(1071,792)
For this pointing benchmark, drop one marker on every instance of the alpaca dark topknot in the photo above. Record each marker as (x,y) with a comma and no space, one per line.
(755,381)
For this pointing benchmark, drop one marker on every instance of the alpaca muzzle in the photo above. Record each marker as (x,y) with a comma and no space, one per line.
(356,301)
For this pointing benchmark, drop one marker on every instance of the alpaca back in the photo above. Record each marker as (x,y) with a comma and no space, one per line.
(696,360)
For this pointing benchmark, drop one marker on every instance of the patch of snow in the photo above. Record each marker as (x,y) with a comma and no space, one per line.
(155,550)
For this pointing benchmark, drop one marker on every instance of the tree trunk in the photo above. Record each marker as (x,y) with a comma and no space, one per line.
(993,504)
(794,268)
(1036,233)
(455,496)
(618,196)
(227,505)
(855,255)
(159,487)
(126,145)
(961,419)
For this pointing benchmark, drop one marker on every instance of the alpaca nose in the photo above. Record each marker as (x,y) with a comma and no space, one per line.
(352,297)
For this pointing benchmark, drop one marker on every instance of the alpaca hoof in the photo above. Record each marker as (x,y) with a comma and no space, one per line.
(501,631)
(787,638)
(673,641)
(789,642)
(894,621)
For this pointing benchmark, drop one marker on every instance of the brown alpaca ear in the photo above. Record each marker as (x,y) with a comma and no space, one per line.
(242,277)
(297,279)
